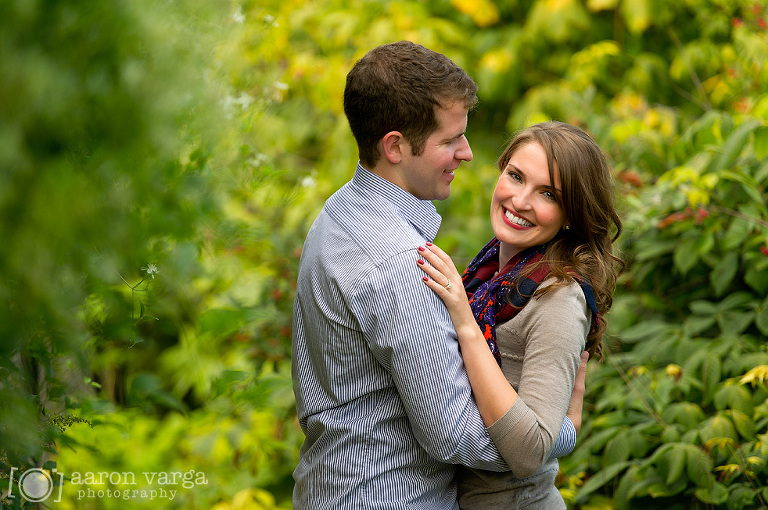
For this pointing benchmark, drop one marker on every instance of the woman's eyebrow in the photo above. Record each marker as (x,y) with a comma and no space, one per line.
(548,186)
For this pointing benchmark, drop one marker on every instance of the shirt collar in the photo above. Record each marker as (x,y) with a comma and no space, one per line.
(419,213)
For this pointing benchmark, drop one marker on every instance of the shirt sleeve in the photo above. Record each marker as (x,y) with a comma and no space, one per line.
(566,441)
(554,328)
(409,331)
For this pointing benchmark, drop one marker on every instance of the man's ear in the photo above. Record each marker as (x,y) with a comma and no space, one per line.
(392,146)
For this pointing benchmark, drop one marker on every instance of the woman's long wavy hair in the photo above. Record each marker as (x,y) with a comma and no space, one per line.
(585,250)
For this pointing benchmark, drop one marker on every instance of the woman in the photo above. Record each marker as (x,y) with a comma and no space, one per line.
(536,297)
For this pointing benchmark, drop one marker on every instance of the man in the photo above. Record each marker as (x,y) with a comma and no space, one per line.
(381,391)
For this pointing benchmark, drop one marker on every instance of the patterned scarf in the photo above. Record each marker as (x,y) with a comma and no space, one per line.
(496,299)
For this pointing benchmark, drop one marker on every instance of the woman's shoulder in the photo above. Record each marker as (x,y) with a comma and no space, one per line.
(569,286)
(557,298)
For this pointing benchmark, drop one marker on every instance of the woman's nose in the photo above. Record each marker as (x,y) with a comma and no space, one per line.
(521,200)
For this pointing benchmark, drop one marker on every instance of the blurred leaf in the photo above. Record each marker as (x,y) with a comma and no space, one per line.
(698,465)
(601,478)
(735,322)
(714,493)
(724,272)
(617,450)
(761,317)
(646,330)
(735,397)
(220,322)
(711,371)
(733,146)
(686,253)
(687,414)
(744,424)
(637,15)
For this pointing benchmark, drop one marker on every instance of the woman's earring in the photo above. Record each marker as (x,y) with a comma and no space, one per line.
(567,227)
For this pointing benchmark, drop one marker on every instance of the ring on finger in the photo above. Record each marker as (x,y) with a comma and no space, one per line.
(448,287)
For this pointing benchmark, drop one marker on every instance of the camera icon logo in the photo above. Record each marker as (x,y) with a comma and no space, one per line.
(37,484)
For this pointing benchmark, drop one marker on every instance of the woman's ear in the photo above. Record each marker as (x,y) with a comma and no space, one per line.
(392,146)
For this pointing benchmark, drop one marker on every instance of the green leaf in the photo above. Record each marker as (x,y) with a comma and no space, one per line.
(749,185)
(738,232)
(601,478)
(724,272)
(735,322)
(715,493)
(757,279)
(734,396)
(703,307)
(617,450)
(695,324)
(228,379)
(220,322)
(716,427)
(704,131)
(637,15)
(733,146)
(686,254)
(687,414)
(711,369)
(646,330)
(735,300)
(704,243)
(671,434)
(761,174)
(675,459)
(761,317)
(655,249)
(627,488)
(761,142)
(698,465)
(744,424)
(660,489)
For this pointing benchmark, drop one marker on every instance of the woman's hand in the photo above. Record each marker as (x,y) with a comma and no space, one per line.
(577,396)
(493,393)
(443,278)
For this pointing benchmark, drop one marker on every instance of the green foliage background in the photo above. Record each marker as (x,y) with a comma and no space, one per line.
(163,160)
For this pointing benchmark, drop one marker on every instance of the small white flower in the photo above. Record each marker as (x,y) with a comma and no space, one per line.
(244,100)
(258,160)
(238,16)
(270,20)
(151,270)
(279,89)
(308,181)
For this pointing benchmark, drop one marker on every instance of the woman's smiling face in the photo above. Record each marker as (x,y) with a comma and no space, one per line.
(525,209)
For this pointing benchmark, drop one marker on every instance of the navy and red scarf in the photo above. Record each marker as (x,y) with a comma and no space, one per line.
(496,298)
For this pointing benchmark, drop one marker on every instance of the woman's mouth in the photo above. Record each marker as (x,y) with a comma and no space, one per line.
(517,220)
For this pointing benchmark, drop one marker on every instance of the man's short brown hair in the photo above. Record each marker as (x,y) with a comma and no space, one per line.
(398,87)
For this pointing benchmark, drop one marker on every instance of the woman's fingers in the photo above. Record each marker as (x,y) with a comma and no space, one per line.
(442,276)
(431,270)
(439,259)
(444,257)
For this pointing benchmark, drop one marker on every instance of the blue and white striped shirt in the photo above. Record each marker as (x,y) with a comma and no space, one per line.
(381,391)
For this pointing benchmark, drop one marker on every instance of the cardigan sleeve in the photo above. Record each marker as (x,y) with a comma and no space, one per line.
(541,348)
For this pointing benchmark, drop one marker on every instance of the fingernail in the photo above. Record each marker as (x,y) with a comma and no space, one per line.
(420,261)
(425,278)
(421,248)
(429,244)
